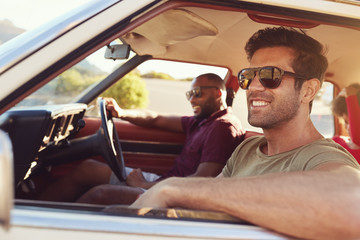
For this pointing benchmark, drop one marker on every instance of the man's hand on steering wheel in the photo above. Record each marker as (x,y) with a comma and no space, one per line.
(113,108)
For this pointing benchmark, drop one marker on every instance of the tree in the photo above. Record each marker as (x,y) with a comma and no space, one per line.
(129,92)
(72,82)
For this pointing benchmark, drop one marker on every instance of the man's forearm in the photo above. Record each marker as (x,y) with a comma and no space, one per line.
(141,118)
(147,185)
(147,118)
(312,204)
(144,118)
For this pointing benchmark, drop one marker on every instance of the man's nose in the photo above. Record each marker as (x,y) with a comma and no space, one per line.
(256,85)
(192,98)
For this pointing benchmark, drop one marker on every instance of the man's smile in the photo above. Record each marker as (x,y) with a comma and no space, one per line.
(196,108)
(259,103)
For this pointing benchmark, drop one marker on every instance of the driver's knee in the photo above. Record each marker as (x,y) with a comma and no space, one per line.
(96,195)
(111,194)
(91,172)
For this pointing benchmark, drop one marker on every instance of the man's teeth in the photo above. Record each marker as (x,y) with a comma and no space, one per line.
(259,103)
(196,107)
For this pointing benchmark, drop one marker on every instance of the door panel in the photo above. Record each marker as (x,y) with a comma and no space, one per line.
(150,149)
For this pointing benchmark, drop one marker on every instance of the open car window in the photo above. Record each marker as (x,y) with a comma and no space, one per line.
(159,85)
(321,113)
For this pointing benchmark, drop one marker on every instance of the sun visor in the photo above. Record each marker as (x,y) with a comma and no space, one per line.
(168,28)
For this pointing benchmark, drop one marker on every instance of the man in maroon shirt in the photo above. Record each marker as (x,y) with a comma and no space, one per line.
(211,136)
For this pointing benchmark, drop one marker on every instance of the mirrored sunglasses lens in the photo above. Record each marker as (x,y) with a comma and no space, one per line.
(270,77)
(193,93)
(245,78)
(197,92)
(188,95)
(244,83)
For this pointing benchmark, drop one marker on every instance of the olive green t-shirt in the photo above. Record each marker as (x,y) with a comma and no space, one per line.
(248,160)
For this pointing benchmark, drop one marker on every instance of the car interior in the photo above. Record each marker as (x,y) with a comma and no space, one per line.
(50,139)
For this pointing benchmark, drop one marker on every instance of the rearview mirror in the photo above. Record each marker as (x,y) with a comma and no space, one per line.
(117,51)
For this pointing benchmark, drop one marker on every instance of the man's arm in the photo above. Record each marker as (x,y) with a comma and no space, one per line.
(206,169)
(144,118)
(137,179)
(322,203)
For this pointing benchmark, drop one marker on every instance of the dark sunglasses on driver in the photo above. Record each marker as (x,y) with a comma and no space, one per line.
(269,77)
(196,92)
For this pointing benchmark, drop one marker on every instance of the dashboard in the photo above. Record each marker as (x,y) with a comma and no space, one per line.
(34,129)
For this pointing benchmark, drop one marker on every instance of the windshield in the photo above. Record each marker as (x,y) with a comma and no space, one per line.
(71,83)
(132,89)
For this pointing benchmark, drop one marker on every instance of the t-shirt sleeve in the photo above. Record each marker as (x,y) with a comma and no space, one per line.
(332,152)
(353,108)
(220,142)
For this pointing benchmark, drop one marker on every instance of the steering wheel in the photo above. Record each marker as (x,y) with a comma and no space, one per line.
(111,148)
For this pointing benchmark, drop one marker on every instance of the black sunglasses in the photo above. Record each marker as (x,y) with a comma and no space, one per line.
(196,92)
(269,77)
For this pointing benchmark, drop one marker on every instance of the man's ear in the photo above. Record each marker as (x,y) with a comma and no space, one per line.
(310,89)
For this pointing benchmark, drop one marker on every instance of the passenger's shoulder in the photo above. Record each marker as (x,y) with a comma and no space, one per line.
(324,143)
(326,150)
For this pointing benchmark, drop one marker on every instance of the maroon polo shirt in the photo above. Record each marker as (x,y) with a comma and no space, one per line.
(208,140)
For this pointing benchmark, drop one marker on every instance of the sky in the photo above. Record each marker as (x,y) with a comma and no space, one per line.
(29,14)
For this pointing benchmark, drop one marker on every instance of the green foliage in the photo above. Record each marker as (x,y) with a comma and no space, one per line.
(129,92)
(157,75)
(72,82)
(164,76)
(189,79)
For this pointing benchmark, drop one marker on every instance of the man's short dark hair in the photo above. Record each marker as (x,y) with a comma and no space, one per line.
(215,79)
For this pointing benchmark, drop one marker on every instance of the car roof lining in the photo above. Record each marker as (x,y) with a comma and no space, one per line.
(173,26)
(217,29)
